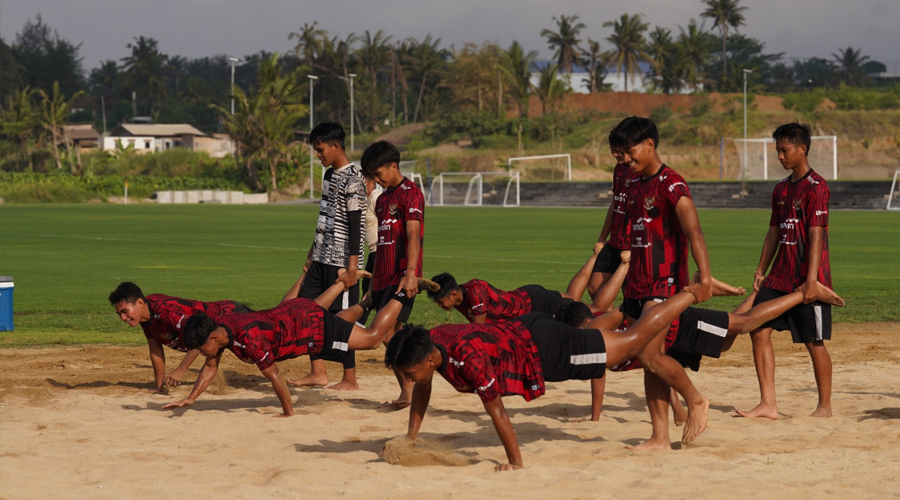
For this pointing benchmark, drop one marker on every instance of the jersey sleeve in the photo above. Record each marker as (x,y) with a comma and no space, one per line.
(355,193)
(773,219)
(413,205)
(259,350)
(479,372)
(817,205)
(476,293)
(674,188)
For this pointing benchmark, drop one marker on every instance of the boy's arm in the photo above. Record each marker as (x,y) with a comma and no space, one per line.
(420,397)
(770,245)
(355,222)
(598,387)
(814,257)
(413,249)
(281,390)
(690,224)
(206,376)
(158,361)
(173,379)
(507,435)
(607,225)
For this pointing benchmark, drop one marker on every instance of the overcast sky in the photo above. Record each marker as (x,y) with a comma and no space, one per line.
(196,28)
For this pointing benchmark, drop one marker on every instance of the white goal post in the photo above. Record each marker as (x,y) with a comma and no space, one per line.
(890,205)
(474,189)
(567,156)
(756,156)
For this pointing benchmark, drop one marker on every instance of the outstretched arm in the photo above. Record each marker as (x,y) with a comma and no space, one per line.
(410,281)
(173,379)
(420,397)
(281,390)
(207,374)
(507,435)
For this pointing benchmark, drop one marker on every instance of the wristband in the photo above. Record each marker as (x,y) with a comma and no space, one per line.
(761,274)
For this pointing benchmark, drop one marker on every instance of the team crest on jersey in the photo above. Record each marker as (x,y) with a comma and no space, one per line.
(393,209)
(649,202)
(797,205)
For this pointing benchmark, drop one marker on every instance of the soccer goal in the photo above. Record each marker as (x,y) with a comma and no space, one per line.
(408,169)
(892,204)
(544,166)
(756,158)
(467,189)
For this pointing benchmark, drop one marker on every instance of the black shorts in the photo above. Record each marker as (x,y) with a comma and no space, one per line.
(567,353)
(241,308)
(633,308)
(320,277)
(337,337)
(381,298)
(609,259)
(701,332)
(807,322)
(543,300)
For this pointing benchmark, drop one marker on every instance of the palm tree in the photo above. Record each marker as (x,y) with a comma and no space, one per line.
(659,50)
(20,122)
(373,56)
(850,64)
(145,71)
(595,62)
(550,89)
(628,43)
(695,46)
(516,66)
(725,14)
(425,58)
(54,113)
(309,42)
(565,41)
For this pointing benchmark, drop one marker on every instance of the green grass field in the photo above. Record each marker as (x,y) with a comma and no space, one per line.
(67,258)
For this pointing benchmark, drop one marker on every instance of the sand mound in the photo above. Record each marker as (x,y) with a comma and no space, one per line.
(408,453)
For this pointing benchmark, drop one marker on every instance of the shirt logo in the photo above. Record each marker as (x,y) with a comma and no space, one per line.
(649,202)
(798,205)
(393,209)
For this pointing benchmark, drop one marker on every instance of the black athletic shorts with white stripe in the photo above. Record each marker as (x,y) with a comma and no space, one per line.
(337,337)
(807,322)
(543,300)
(609,259)
(701,332)
(567,353)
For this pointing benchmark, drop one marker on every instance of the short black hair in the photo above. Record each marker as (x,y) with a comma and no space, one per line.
(447,283)
(408,347)
(197,330)
(377,155)
(574,314)
(327,132)
(632,131)
(126,291)
(798,134)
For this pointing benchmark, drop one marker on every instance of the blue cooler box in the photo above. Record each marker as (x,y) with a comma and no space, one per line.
(6,303)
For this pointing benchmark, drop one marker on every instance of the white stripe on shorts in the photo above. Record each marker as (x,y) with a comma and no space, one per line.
(345,300)
(588,359)
(340,346)
(817,309)
(713,329)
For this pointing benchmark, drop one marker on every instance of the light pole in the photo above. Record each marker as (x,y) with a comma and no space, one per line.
(312,80)
(234,63)
(352,112)
(744,169)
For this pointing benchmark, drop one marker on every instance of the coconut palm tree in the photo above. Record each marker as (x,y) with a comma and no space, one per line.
(595,62)
(309,42)
(427,60)
(20,123)
(54,113)
(549,89)
(695,46)
(565,41)
(628,44)
(145,71)
(659,50)
(724,14)
(850,63)
(515,65)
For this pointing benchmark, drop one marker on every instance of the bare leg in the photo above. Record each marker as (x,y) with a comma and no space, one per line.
(295,290)
(607,293)
(821,361)
(678,413)
(348,382)
(764,359)
(579,282)
(317,376)
(657,393)
(598,387)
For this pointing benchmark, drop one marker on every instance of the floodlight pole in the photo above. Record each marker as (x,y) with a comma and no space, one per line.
(744,169)
(234,63)
(352,112)
(312,80)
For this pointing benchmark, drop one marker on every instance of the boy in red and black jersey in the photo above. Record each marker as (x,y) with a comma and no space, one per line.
(515,358)
(162,319)
(296,327)
(662,223)
(481,302)
(797,240)
(613,239)
(401,229)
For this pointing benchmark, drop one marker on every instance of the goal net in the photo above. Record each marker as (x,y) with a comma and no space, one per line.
(756,159)
(470,189)
(543,167)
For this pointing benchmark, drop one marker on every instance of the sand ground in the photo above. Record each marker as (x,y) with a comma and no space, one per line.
(78,423)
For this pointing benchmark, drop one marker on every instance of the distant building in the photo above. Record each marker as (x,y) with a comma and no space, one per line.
(154,138)
(81,136)
(579,79)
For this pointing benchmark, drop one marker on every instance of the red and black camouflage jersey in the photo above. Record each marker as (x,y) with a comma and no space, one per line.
(168,315)
(288,330)
(796,207)
(622,177)
(394,208)
(491,359)
(659,247)
(481,298)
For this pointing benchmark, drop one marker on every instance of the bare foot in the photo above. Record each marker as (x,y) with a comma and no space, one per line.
(651,445)
(696,421)
(313,379)
(679,415)
(722,289)
(760,412)
(828,296)
(821,412)
(400,403)
(344,385)
(429,285)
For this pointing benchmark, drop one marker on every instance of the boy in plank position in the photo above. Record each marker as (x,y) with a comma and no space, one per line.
(162,318)
(291,329)
(338,244)
(401,228)
(516,357)
(798,242)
